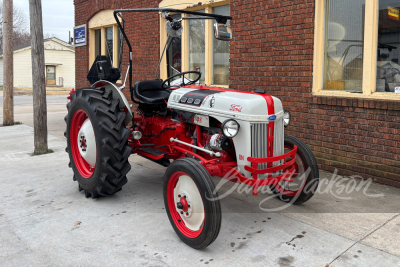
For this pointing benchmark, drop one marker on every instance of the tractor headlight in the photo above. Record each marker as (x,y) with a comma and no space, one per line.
(137,135)
(286,118)
(230,128)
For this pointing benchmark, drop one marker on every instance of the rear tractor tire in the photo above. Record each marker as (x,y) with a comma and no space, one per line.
(97,142)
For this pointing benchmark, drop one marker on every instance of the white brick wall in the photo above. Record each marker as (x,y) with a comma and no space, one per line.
(23,69)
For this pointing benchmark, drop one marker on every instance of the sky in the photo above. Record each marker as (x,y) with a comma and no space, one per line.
(58,16)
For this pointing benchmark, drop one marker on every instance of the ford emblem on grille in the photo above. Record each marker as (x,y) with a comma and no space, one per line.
(272,118)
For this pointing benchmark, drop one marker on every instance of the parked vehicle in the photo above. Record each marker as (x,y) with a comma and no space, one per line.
(195,131)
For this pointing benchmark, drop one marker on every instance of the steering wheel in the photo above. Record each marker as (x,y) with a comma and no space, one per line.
(165,85)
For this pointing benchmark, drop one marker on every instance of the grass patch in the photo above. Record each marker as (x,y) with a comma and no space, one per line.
(18,123)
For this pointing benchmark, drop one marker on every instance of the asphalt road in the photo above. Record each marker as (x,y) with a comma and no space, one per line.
(56,109)
(46,221)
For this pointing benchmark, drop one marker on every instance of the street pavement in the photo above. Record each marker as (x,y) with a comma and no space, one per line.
(56,111)
(46,221)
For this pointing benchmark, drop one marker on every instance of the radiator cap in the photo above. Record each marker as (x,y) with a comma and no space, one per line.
(259,91)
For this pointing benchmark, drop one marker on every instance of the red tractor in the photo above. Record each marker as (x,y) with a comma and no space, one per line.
(195,131)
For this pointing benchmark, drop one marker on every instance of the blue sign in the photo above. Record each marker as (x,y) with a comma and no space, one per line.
(80,35)
(272,118)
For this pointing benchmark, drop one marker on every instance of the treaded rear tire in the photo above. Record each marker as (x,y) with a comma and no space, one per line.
(111,134)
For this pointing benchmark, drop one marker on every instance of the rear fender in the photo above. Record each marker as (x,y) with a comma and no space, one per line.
(117,94)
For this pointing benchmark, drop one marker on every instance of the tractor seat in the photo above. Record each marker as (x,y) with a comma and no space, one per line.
(151,92)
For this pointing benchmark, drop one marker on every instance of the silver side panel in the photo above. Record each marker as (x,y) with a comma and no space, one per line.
(279,142)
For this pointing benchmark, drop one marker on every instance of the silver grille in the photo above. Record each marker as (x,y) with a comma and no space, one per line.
(259,142)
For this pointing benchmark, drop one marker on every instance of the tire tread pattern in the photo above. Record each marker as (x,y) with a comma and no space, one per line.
(114,136)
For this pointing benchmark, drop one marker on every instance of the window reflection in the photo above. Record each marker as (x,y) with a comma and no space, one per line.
(221,53)
(197,47)
(344,45)
(388,68)
(109,43)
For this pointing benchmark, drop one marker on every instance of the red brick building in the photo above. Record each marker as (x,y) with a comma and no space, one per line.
(334,70)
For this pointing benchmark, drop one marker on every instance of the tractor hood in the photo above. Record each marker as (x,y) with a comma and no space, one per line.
(213,101)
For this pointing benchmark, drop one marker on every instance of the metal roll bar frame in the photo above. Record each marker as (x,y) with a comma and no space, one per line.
(218,18)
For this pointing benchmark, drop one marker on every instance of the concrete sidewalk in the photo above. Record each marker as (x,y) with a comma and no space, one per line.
(45,221)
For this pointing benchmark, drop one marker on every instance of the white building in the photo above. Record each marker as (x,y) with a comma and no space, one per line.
(59,61)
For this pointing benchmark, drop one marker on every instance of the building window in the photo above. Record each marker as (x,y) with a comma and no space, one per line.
(197,46)
(104,37)
(199,49)
(357,48)
(109,43)
(388,68)
(97,41)
(344,45)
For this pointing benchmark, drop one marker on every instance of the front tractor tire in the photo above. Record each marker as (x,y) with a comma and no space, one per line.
(305,179)
(192,203)
(97,142)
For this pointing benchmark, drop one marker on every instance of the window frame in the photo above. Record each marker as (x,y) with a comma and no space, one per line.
(102,20)
(370,54)
(209,35)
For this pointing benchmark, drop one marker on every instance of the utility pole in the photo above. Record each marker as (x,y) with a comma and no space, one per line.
(8,70)
(38,78)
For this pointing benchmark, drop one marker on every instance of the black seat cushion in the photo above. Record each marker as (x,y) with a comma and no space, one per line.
(151,92)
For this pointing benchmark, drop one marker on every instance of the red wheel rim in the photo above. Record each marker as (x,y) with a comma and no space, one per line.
(178,219)
(301,169)
(84,168)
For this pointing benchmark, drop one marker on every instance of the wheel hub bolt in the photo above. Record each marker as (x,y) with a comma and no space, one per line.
(187,213)
(179,196)
(181,212)
(179,205)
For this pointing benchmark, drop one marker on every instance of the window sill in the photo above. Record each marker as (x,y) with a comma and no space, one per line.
(377,95)
(347,99)
(220,86)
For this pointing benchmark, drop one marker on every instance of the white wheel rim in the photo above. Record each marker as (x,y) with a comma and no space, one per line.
(87,143)
(187,187)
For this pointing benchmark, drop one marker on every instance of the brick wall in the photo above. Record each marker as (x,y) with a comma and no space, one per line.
(144,37)
(272,49)
(356,136)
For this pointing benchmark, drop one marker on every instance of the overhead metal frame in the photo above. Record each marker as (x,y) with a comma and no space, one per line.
(218,18)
